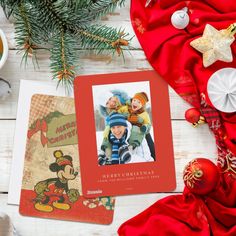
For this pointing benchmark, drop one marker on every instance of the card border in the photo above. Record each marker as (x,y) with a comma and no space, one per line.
(91,172)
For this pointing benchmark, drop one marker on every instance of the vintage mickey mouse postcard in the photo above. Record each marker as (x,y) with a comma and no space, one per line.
(124,133)
(51,186)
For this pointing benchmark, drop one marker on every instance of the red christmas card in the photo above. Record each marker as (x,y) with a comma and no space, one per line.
(51,186)
(124,132)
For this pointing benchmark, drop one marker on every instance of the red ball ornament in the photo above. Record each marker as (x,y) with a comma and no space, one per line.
(192,115)
(201,176)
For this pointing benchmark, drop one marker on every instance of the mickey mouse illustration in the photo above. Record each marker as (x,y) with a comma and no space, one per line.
(50,191)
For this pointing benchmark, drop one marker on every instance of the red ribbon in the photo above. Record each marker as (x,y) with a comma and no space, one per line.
(41,125)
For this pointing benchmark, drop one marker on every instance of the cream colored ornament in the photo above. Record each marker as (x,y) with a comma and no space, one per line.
(180,19)
(221,89)
(215,44)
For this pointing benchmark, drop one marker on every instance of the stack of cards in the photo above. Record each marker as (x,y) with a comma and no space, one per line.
(113,138)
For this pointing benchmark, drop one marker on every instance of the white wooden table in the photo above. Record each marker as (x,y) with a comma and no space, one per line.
(188,142)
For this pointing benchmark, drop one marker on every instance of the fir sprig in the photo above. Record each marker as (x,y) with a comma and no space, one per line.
(9,6)
(63,57)
(62,26)
(101,38)
(25,32)
(97,9)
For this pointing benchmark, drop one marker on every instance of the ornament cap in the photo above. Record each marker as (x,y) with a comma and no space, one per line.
(185,9)
(231,30)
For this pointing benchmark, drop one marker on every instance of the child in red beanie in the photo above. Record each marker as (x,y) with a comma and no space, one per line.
(140,120)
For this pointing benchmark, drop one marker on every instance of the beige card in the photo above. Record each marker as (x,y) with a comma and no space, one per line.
(51,185)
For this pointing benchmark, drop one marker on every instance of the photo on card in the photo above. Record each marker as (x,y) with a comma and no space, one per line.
(124,134)
(123,121)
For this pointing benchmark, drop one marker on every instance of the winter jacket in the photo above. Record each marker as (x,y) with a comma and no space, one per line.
(139,154)
(139,118)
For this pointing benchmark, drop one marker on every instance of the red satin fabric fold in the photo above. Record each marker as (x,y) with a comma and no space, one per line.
(186,214)
(168,49)
(169,52)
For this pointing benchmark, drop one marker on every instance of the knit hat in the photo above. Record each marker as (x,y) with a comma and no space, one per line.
(62,160)
(116,119)
(142,97)
(121,95)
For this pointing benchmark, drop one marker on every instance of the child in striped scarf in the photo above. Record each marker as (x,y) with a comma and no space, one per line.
(115,103)
(117,141)
(134,110)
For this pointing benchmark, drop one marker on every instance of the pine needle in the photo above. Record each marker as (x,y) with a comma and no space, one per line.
(63,26)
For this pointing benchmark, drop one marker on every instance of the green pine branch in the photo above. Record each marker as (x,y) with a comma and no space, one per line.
(63,58)
(9,6)
(96,9)
(62,26)
(25,32)
(103,38)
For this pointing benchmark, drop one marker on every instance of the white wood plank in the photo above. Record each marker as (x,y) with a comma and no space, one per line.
(126,207)
(89,64)
(6,143)
(118,19)
(189,143)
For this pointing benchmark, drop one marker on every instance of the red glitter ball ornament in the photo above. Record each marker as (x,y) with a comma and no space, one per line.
(201,176)
(192,115)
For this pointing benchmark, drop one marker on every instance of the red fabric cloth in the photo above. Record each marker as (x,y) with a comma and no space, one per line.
(185,214)
(168,49)
(169,52)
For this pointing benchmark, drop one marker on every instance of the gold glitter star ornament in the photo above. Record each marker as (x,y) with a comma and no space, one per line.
(215,44)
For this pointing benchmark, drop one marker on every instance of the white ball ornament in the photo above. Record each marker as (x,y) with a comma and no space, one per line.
(180,18)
